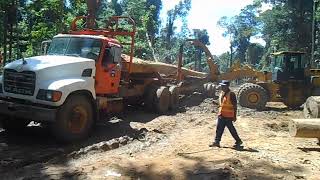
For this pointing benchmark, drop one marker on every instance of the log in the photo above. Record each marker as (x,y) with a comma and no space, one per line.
(305,128)
(143,66)
(311,107)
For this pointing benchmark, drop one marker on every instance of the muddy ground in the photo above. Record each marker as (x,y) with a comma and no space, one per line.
(140,145)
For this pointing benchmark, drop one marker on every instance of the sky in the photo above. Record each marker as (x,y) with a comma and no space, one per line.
(204,14)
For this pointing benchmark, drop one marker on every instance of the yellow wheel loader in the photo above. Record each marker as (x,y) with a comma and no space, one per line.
(292,82)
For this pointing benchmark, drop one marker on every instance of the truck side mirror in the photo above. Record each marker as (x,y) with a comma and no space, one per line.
(45,47)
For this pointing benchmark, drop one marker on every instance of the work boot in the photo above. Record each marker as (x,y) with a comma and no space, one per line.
(214,144)
(238,144)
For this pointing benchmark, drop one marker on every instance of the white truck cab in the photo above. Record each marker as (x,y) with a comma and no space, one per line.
(38,88)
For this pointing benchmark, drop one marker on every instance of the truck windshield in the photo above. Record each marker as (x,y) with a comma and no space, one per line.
(76,46)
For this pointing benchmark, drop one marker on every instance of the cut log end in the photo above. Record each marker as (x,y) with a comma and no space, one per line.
(292,128)
(311,107)
(305,128)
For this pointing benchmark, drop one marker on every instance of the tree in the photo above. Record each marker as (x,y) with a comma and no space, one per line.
(254,53)
(223,62)
(203,36)
(287,26)
(180,10)
(146,15)
(241,28)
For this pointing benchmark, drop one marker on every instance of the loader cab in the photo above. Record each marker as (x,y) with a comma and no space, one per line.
(288,66)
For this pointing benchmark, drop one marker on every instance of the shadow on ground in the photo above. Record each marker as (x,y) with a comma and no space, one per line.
(310,149)
(201,168)
(35,145)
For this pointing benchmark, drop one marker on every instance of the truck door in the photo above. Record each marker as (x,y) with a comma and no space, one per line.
(109,71)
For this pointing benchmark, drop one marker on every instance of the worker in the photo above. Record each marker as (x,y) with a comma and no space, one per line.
(227,115)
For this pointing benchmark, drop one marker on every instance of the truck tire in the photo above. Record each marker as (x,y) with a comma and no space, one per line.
(211,90)
(174,97)
(204,88)
(253,96)
(163,100)
(14,125)
(150,97)
(74,119)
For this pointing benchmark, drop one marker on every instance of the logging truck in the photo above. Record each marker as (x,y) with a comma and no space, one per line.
(85,75)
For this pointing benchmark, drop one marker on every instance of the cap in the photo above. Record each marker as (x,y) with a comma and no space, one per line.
(224,83)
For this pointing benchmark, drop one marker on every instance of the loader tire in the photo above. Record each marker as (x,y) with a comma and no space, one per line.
(174,98)
(253,96)
(163,100)
(240,88)
(74,119)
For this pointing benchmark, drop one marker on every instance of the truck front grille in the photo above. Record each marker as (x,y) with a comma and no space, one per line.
(19,82)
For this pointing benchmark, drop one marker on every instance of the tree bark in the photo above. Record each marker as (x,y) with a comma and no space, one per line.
(305,128)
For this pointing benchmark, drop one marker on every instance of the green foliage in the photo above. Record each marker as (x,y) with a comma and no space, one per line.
(241,28)
(254,53)
(287,26)
(224,61)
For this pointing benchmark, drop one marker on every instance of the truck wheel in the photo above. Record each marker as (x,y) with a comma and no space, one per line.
(174,98)
(14,125)
(163,100)
(204,88)
(74,119)
(209,90)
(150,98)
(253,96)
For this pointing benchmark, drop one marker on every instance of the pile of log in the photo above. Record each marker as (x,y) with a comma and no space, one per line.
(309,127)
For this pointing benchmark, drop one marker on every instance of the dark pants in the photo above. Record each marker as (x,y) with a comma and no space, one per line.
(222,123)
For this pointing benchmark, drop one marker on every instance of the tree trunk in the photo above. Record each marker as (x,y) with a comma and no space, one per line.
(151,47)
(10,41)
(311,108)
(5,30)
(305,128)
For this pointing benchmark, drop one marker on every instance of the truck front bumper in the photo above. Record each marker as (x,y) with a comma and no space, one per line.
(30,112)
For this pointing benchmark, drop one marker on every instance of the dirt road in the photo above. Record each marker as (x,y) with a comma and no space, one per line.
(139,145)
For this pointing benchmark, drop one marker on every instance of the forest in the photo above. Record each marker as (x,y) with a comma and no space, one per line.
(287,25)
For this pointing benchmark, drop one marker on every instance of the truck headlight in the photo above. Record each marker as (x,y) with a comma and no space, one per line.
(1,91)
(49,95)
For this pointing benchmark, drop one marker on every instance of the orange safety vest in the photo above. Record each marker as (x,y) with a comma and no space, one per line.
(226,108)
